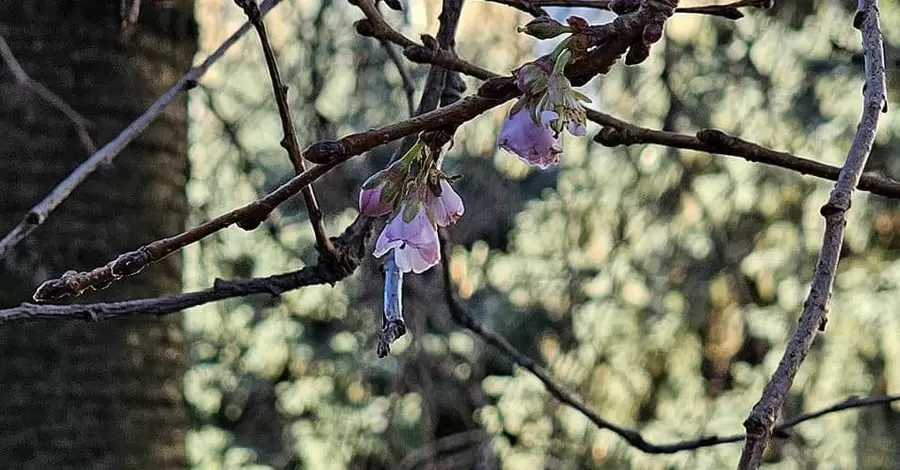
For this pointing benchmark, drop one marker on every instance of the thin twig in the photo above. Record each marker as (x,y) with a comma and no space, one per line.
(289,142)
(465,319)
(39,213)
(618,132)
(813,318)
(23,79)
(377,27)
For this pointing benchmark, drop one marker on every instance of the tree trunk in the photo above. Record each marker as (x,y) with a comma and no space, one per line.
(105,395)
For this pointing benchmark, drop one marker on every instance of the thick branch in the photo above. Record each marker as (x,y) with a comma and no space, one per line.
(39,213)
(813,318)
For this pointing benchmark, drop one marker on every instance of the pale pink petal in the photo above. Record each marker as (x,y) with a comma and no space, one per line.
(415,243)
(535,144)
(370,202)
(447,208)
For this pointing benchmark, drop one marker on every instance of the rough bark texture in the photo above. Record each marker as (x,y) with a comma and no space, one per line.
(104,395)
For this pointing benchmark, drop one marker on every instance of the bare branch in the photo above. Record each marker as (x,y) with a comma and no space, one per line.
(23,79)
(39,213)
(289,142)
(375,26)
(618,132)
(351,244)
(813,318)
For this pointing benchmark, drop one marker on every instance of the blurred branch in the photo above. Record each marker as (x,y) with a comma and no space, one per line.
(23,79)
(351,244)
(813,318)
(465,319)
(39,213)
(618,132)
(289,142)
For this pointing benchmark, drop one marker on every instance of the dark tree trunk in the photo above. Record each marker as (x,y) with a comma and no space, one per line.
(108,395)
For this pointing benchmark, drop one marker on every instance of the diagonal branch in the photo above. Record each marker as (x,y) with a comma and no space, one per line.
(289,142)
(23,79)
(813,318)
(39,213)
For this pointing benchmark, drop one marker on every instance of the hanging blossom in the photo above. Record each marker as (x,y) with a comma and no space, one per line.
(549,105)
(419,203)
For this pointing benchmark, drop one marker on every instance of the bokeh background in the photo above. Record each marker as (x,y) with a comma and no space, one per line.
(660,285)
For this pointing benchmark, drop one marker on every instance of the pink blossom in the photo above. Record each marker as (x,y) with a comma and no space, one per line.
(535,143)
(414,241)
(446,208)
(371,204)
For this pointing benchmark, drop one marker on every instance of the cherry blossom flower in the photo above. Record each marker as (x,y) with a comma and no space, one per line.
(446,208)
(535,143)
(372,199)
(412,237)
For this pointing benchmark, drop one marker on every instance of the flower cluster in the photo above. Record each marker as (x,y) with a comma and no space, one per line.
(549,105)
(420,198)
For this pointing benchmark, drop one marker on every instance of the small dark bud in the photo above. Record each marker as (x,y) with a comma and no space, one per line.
(621,7)
(130,264)
(364,27)
(637,54)
(652,33)
(544,27)
(429,41)
(578,24)
(418,54)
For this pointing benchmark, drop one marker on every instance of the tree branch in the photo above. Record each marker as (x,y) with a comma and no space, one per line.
(813,318)
(23,79)
(39,213)
(351,244)
(289,142)
(618,132)
(463,318)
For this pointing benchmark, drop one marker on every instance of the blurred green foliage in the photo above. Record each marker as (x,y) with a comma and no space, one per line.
(658,284)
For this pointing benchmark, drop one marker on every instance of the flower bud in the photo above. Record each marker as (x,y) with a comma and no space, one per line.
(544,27)
(531,78)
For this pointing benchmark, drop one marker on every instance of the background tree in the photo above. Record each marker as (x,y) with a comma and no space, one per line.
(79,395)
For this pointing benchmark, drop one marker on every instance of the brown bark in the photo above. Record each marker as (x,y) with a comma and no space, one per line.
(105,395)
